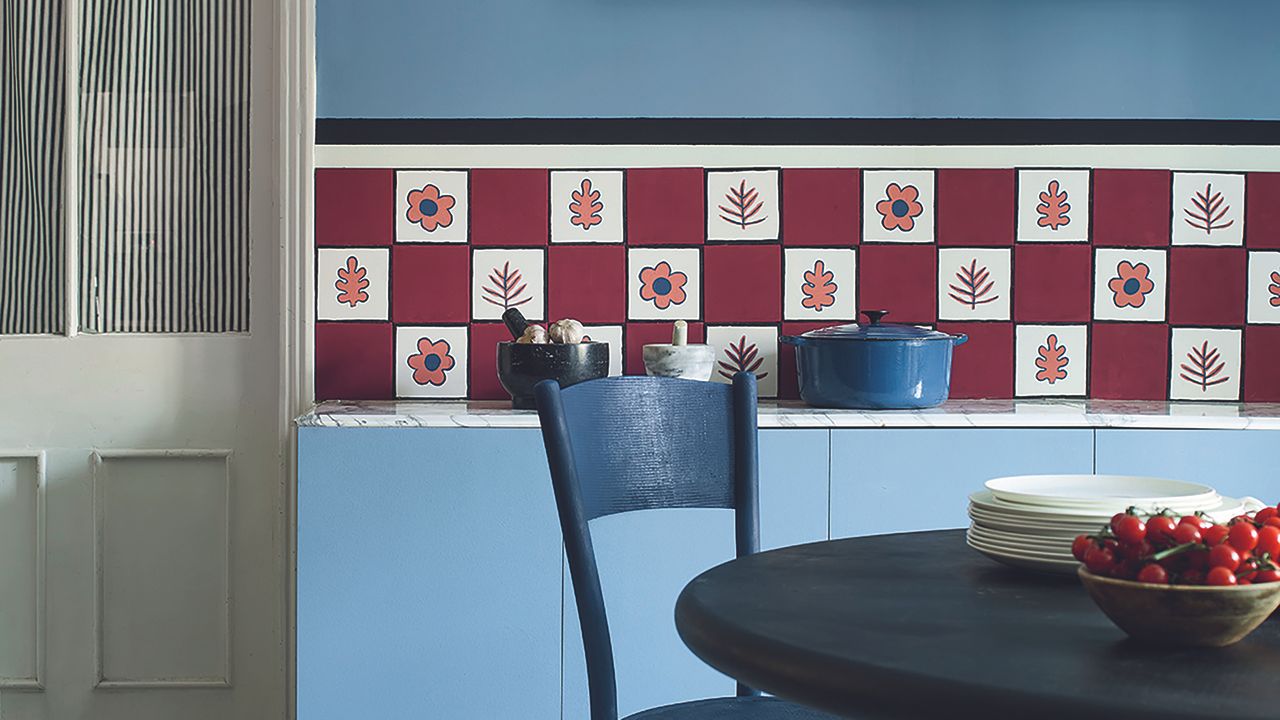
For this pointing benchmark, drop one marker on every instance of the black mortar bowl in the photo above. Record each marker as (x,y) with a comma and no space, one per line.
(521,366)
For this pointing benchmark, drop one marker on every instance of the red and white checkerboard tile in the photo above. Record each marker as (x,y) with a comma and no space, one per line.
(1070,282)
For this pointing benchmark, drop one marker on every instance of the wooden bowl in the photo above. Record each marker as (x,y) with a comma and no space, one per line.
(1186,615)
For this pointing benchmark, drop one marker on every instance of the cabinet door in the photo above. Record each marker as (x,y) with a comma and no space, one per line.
(647,557)
(885,481)
(428,575)
(1234,462)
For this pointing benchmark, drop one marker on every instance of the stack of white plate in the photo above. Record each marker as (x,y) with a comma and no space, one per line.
(1029,521)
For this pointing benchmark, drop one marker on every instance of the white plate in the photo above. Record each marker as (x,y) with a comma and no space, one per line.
(1055,541)
(985,500)
(1025,563)
(1015,525)
(1100,492)
(1022,549)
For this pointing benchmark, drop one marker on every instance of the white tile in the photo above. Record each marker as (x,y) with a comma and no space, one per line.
(586,206)
(1264,287)
(1051,360)
(1053,205)
(1129,284)
(752,348)
(898,205)
(742,205)
(431,206)
(673,290)
(611,334)
(503,278)
(431,362)
(1208,209)
(351,283)
(973,283)
(820,284)
(1205,364)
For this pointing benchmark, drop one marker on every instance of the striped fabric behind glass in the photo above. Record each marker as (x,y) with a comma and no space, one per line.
(164,120)
(32,241)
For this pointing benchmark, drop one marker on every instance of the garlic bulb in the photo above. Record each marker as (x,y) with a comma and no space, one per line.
(566,331)
(533,335)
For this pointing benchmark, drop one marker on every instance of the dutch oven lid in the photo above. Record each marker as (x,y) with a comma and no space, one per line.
(876,330)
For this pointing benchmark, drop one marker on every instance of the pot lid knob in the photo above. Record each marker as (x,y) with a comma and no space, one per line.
(875,315)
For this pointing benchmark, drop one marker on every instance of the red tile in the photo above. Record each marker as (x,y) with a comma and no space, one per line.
(976,207)
(354,361)
(1262,210)
(1129,361)
(639,334)
(820,207)
(587,283)
(482,353)
(1207,285)
(788,382)
(742,283)
(902,279)
(1131,208)
(430,283)
(1052,283)
(665,206)
(355,207)
(1261,370)
(510,207)
(983,366)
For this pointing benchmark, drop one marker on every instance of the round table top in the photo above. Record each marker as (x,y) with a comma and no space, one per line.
(901,625)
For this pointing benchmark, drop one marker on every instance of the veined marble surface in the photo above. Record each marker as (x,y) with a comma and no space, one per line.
(784,414)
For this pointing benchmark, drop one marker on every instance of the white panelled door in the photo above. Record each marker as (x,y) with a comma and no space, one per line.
(142,503)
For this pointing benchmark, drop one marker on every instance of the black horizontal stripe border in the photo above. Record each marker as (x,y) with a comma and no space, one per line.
(791,131)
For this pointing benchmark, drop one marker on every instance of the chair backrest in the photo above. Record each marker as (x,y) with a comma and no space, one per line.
(636,443)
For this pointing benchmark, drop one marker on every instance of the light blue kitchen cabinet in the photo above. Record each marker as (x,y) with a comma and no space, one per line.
(1234,462)
(647,557)
(892,480)
(429,580)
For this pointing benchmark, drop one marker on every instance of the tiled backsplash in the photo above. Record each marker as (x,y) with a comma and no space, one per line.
(1072,282)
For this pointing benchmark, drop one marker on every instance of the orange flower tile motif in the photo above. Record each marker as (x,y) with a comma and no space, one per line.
(430,208)
(900,208)
(662,286)
(819,287)
(1131,284)
(431,363)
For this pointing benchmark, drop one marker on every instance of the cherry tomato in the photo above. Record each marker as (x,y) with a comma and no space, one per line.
(1080,545)
(1153,573)
(1224,556)
(1117,518)
(1273,521)
(1266,576)
(1194,520)
(1186,533)
(1129,529)
(1243,536)
(1214,534)
(1220,576)
(1160,528)
(1099,560)
(1266,512)
(1268,541)
(1243,581)
(1197,559)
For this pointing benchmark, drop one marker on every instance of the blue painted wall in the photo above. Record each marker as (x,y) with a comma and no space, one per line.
(799,58)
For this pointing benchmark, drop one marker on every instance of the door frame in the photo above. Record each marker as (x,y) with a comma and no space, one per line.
(296,160)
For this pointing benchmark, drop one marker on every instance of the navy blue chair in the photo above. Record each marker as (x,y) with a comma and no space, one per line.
(637,443)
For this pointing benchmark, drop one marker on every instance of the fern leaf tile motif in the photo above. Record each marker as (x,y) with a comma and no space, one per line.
(1052,360)
(586,207)
(744,206)
(1204,367)
(974,288)
(1054,210)
(351,283)
(1208,211)
(742,356)
(506,288)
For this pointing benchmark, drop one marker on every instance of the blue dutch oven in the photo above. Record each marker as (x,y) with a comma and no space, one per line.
(874,365)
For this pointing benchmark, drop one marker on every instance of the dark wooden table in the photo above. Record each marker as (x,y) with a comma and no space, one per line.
(910,625)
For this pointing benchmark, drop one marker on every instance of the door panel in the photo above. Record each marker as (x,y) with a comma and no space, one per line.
(1234,462)
(21,574)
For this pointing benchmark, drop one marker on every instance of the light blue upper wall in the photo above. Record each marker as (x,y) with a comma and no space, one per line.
(799,58)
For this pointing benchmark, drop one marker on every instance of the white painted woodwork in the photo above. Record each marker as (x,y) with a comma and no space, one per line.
(21,551)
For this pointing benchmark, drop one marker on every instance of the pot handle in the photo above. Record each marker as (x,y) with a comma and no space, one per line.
(960,339)
(791,340)
(875,315)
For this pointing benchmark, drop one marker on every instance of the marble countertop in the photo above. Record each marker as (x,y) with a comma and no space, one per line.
(790,414)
